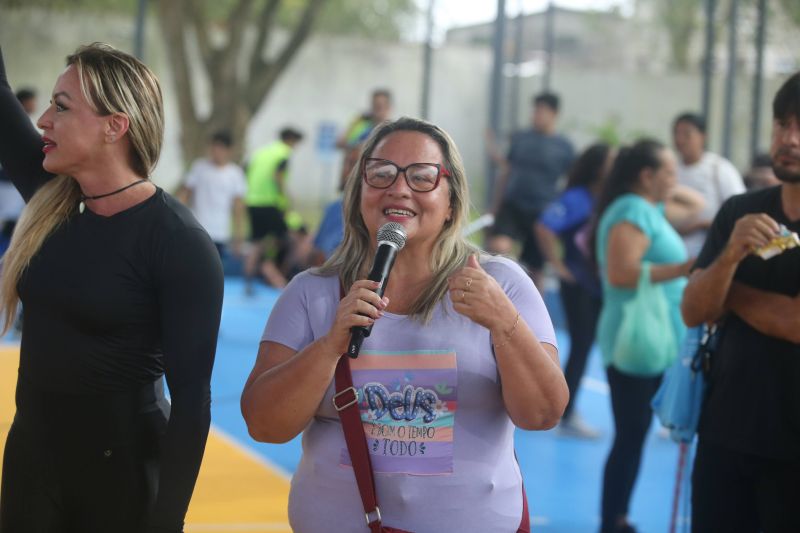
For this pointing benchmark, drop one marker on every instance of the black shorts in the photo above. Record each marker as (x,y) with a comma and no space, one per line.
(266,221)
(517,223)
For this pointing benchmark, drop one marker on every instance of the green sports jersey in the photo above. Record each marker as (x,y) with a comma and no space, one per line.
(262,182)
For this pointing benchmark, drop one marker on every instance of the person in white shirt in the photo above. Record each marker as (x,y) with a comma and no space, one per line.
(214,189)
(713,176)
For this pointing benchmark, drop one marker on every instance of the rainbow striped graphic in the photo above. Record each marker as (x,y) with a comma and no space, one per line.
(408,403)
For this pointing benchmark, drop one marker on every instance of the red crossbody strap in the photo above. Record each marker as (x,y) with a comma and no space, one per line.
(525,523)
(345,400)
(346,403)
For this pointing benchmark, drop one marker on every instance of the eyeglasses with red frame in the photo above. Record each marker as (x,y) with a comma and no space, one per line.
(420,177)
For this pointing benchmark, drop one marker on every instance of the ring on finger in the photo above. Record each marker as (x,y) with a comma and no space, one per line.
(469,282)
(463,296)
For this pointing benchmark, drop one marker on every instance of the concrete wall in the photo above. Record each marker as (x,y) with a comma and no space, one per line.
(331,79)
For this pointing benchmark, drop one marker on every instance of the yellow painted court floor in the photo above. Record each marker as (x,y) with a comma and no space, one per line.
(235,491)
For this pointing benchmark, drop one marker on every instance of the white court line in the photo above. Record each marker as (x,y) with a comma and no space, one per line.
(255,456)
(276,526)
(595,385)
(247,526)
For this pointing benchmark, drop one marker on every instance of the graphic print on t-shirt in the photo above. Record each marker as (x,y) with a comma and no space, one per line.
(408,405)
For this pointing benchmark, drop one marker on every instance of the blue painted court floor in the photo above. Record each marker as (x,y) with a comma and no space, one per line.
(562,475)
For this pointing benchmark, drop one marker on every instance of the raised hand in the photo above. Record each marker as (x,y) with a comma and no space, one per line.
(478,296)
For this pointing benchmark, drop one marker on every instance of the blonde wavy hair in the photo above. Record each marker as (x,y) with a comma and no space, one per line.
(112,82)
(351,260)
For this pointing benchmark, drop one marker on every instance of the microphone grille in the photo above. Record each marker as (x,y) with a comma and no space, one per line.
(392,232)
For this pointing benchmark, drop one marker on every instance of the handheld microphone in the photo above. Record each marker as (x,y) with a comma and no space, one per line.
(391,239)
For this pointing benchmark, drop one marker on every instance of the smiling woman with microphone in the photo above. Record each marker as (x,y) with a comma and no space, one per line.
(416,432)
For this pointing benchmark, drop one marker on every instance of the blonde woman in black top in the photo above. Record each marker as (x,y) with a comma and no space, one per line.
(120,286)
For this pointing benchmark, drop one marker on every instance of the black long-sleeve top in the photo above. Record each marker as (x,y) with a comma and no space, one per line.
(112,303)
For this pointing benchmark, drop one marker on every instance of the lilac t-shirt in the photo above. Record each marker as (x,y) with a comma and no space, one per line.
(440,439)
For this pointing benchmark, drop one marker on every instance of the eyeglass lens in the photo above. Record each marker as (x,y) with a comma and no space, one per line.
(421,177)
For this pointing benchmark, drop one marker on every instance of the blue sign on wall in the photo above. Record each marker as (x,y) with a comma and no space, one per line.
(326,137)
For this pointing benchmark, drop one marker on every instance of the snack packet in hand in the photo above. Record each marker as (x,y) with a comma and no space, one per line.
(784,241)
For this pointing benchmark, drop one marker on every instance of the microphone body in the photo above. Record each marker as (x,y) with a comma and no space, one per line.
(391,239)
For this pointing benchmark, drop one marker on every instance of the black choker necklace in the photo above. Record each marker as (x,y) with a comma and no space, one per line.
(82,205)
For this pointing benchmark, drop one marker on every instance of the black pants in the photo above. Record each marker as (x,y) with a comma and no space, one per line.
(630,403)
(582,308)
(735,492)
(80,465)
(517,223)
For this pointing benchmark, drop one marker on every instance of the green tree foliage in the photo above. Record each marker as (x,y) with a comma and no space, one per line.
(114,6)
(792,9)
(612,132)
(375,19)
(681,19)
(240,72)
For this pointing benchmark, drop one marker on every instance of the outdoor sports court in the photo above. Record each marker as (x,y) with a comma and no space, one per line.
(244,485)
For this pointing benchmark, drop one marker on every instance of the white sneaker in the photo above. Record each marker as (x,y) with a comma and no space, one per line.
(663,433)
(576,427)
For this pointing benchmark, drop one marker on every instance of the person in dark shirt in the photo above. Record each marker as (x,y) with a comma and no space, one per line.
(11,203)
(560,230)
(27,97)
(120,286)
(537,158)
(760,174)
(748,457)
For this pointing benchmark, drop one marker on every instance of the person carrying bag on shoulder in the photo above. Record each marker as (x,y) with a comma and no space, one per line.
(643,264)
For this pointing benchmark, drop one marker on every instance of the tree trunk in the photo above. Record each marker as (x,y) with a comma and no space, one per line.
(680,18)
(235,96)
